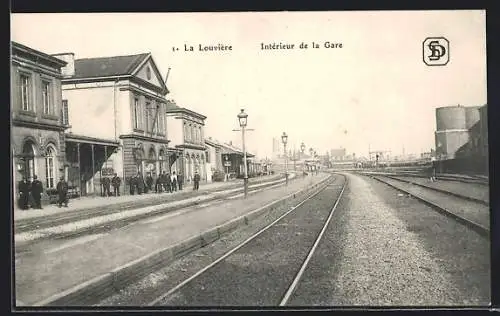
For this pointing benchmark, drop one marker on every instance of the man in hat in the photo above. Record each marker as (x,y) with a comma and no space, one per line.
(106,187)
(167,184)
(140,183)
(62,191)
(196,181)
(24,191)
(149,182)
(180,180)
(36,192)
(116,182)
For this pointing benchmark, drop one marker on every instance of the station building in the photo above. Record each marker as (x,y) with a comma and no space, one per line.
(37,131)
(214,157)
(116,118)
(233,161)
(186,130)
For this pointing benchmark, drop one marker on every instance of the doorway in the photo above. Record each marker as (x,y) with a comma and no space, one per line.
(28,156)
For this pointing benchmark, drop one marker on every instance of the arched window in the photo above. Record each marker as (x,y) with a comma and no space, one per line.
(161,157)
(29,160)
(152,154)
(50,167)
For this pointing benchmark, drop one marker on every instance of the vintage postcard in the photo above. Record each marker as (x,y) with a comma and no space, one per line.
(250,159)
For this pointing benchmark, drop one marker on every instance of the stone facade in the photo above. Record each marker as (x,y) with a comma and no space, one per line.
(37,132)
(117,112)
(189,128)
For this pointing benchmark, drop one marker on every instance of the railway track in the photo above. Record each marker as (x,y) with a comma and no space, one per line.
(480,201)
(463,179)
(30,224)
(24,245)
(240,276)
(470,212)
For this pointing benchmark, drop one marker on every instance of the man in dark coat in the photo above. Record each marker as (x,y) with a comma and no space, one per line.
(62,192)
(36,192)
(149,182)
(180,180)
(196,181)
(167,182)
(140,183)
(106,186)
(116,182)
(132,184)
(158,184)
(24,192)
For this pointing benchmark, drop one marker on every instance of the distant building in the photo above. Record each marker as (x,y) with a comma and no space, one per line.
(186,130)
(214,157)
(337,154)
(233,160)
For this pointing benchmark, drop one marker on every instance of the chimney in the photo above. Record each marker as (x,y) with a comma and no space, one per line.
(231,142)
(69,69)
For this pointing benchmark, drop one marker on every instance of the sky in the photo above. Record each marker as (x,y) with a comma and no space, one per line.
(375,92)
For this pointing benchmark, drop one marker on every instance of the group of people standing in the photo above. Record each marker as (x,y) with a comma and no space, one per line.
(107,183)
(30,193)
(165,182)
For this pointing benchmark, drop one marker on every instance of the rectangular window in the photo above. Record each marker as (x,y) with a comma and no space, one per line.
(65,112)
(137,114)
(26,102)
(149,119)
(46,97)
(157,123)
(49,172)
(162,121)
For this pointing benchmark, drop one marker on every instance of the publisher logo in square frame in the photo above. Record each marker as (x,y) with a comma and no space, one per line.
(436,51)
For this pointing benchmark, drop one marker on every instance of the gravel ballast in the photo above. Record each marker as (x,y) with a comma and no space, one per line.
(384,249)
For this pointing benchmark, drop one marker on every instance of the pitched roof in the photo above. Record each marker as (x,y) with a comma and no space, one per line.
(171,107)
(213,142)
(230,149)
(107,66)
(23,48)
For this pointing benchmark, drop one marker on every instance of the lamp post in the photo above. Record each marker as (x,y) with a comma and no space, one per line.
(227,167)
(242,117)
(284,139)
(316,163)
(294,160)
(302,149)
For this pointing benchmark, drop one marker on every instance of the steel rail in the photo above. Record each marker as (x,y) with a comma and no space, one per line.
(480,229)
(297,278)
(230,252)
(440,190)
